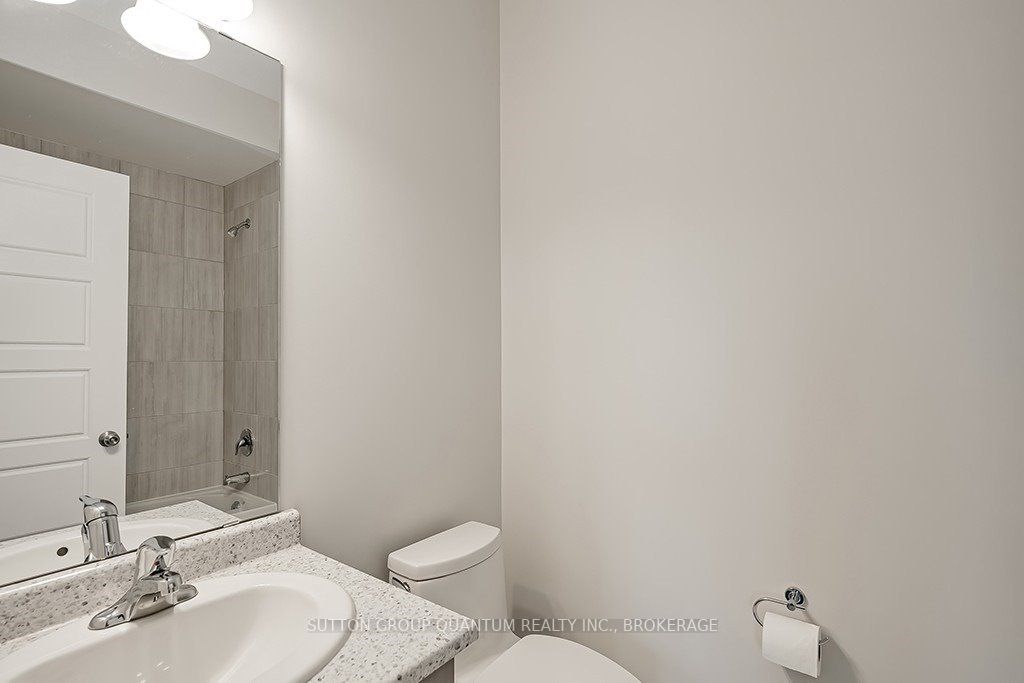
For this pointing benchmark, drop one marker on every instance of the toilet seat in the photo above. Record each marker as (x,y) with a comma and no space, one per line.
(544,659)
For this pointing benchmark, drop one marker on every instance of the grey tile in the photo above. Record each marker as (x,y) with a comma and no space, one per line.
(231,335)
(234,423)
(202,386)
(250,188)
(167,441)
(268,333)
(207,474)
(79,156)
(266,486)
(20,140)
(141,443)
(155,388)
(267,280)
(248,281)
(155,279)
(188,438)
(231,284)
(202,335)
(269,218)
(235,467)
(204,234)
(131,488)
(137,456)
(143,333)
(155,225)
(154,183)
(240,283)
(240,386)
(154,333)
(204,195)
(270,179)
(145,440)
(201,438)
(149,485)
(241,192)
(247,333)
(229,433)
(173,442)
(246,241)
(204,285)
(241,334)
(136,405)
(266,388)
(164,482)
(267,439)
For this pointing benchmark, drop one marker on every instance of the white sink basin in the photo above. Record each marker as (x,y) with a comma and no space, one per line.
(62,549)
(251,627)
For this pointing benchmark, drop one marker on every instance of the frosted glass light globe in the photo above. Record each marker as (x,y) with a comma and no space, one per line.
(166,31)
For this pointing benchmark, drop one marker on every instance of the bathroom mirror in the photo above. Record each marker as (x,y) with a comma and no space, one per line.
(139,231)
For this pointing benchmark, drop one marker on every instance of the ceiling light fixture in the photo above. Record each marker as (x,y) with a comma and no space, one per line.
(165,30)
(56,2)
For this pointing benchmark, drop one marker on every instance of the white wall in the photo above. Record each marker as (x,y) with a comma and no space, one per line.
(389,268)
(763,323)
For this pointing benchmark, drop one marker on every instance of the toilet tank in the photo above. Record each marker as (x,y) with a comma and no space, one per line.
(462,569)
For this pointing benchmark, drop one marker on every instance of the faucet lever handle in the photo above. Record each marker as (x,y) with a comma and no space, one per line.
(155,555)
(96,508)
(244,445)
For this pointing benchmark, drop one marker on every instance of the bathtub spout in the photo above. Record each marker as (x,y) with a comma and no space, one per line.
(237,479)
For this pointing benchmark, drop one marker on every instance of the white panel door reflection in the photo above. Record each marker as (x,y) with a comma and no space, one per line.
(63,338)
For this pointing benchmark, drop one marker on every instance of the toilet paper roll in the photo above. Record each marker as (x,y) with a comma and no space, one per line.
(791,643)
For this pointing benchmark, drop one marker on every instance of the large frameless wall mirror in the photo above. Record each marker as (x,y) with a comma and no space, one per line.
(139,231)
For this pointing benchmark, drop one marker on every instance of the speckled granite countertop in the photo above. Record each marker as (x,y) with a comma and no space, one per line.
(32,609)
(375,655)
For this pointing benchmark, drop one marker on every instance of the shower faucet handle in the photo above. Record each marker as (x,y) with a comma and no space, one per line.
(244,445)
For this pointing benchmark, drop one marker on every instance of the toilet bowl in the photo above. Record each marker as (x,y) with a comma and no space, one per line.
(463,569)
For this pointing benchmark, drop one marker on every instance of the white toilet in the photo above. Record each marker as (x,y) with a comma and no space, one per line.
(463,569)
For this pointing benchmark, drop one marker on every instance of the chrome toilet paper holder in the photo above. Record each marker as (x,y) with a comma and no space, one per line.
(795,599)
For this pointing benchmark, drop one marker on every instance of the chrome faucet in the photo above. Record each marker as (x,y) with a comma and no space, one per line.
(155,587)
(100,534)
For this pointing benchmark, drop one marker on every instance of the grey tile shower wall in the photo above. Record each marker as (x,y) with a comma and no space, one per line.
(175,323)
(175,333)
(251,280)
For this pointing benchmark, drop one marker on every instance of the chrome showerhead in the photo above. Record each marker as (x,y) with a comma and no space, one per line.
(244,225)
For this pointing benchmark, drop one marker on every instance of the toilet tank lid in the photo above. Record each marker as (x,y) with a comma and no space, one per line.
(445,553)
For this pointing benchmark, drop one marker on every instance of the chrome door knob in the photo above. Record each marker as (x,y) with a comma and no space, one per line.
(109,439)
